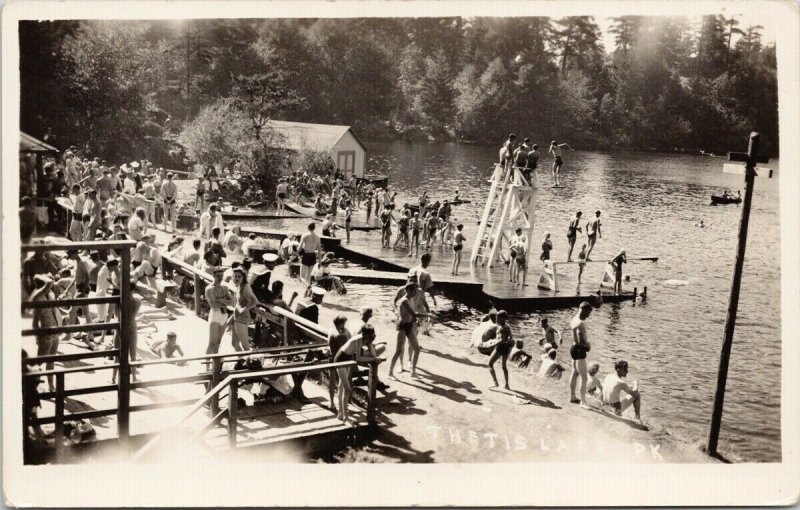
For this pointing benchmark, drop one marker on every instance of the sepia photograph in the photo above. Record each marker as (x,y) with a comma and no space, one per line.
(334,235)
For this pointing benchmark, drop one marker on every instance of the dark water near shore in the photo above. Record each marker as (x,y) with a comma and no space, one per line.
(650,203)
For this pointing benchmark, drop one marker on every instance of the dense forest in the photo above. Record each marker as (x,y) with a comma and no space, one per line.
(123,88)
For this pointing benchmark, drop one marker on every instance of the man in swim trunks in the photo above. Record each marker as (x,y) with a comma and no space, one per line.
(615,384)
(281,194)
(507,151)
(555,150)
(310,248)
(572,233)
(550,333)
(532,163)
(405,329)
(503,349)
(593,232)
(578,352)
(422,277)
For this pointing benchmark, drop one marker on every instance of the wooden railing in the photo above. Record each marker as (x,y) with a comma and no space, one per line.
(231,413)
(123,302)
(284,319)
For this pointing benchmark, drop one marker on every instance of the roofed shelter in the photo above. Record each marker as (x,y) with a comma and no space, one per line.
(29,148)
(347,151)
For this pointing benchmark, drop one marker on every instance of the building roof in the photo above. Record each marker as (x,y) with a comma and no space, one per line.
(27,143)
(300,135)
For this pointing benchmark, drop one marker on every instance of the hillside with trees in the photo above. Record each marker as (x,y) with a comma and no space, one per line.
(125,88)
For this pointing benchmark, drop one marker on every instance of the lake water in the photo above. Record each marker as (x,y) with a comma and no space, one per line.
(650,203)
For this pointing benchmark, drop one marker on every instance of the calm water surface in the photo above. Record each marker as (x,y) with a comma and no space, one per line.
(650,203)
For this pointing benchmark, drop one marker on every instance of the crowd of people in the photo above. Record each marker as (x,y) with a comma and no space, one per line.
(128,202)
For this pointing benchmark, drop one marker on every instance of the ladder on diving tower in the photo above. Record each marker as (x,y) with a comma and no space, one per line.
(511,205)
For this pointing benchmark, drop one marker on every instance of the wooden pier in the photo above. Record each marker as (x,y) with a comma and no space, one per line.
(359,218)
(481,287)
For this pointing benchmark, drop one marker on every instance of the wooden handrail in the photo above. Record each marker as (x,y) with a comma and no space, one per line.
(85,245)
(240,354)
(72,302)
(216,390)
(73,328)
(57,358)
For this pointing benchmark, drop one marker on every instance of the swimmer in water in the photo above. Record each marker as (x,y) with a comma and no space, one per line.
(700,225)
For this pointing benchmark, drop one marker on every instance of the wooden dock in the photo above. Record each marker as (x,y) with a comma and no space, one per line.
(359,221)
(476,286)
(253,214)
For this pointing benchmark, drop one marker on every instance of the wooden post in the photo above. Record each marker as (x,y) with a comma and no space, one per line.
(123,394)
(59,415)
(216,375)
(555,272)
(233,412)
(733,301)
(373,371)
(196,278)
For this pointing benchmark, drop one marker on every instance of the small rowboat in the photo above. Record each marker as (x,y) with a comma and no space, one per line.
(723,200)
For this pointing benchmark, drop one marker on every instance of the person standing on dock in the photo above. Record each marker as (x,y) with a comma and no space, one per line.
(521,154)
(521,259)
(507,151)
(281,194)
(415,226)
(169,194)
(547,247)
(593,232)
(578,352)
(458,246)
(240,320)
(386,225)
(219,299)
(616,263)
(422,277)
(368,204)
(531,163)
(555,150)
(310,248)
(572,233)
(348,218)
(581,262)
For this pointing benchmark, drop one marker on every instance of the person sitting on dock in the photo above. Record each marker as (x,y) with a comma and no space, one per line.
(550,333)
(572,233)
(613,387)
(310,248)
(578,352)
(321,275)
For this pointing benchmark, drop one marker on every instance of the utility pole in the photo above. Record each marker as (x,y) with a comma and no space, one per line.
(750,158)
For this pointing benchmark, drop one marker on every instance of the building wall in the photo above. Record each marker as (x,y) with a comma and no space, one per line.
(349,143)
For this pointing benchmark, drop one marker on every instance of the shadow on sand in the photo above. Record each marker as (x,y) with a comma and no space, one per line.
(631,423)
(455,359)
(543,402)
